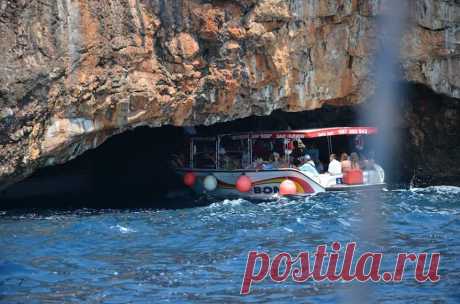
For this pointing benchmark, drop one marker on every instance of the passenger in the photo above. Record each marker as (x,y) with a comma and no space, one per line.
(276,162)
(371,173)
(345,161)
(362,161)
(377,175)
(319,165)
(354,158)
(283,164)
(308,160)
(335,168)
(297,153)
(268,165)
(308,167)
(279,162)
(257,164)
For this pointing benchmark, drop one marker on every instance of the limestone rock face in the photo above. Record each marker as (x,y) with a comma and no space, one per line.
(75,72)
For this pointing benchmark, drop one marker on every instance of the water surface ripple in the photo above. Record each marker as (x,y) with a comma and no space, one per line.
(199,254)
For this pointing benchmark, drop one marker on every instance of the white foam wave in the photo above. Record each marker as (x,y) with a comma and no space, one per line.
(343,222)
(437,189)
(123,229)
(228,202)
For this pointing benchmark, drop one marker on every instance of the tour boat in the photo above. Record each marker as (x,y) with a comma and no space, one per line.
(237,165)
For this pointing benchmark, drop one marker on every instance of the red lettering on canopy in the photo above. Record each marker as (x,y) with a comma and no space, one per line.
(310,133)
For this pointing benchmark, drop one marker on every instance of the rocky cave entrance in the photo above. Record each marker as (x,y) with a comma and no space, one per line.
(133,169)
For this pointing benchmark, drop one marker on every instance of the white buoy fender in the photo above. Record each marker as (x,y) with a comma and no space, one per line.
(210,183)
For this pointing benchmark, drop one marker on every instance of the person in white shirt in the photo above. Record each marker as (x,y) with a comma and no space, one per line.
(335,167)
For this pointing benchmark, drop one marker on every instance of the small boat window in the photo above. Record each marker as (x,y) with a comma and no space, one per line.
(269,153)
(204,153)
(234,153)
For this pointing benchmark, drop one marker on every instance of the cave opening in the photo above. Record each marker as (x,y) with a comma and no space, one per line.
(133,169)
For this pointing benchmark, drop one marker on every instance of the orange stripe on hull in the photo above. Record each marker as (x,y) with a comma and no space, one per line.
(301,185)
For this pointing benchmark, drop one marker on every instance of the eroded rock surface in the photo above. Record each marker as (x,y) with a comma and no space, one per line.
(75,72)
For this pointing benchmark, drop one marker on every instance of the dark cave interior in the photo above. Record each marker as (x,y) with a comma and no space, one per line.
(133,169)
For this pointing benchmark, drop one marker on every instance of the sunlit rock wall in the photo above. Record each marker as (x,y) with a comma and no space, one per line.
(75,72)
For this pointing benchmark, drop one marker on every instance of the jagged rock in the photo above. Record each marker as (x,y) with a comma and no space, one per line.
(183,46)
(77,72)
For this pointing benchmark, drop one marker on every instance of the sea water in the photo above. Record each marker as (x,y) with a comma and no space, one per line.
(199,254)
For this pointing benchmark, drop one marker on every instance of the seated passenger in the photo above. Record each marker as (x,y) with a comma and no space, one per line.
(345,161)
(354,159)
(335,168)
(267,165)
(375,172)
(308,167)
(276,162)
(373,176)
(308,160)
(257,163)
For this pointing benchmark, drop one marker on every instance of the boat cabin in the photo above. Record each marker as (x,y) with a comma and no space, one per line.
(248,150)
(309,159)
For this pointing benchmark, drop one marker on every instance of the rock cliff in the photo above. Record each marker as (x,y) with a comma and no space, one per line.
(75,72)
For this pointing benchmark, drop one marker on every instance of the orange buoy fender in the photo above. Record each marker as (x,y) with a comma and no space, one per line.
(189,179)
(244,183)
(288,187)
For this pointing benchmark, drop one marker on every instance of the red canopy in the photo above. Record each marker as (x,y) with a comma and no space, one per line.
(310,133)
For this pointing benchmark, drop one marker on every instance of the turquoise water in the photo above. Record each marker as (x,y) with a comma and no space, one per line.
(199,254)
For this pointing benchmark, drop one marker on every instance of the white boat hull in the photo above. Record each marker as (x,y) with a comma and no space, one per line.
(265,183)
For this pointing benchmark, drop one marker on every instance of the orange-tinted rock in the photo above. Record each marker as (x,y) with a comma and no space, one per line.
(183,46)
(73,75)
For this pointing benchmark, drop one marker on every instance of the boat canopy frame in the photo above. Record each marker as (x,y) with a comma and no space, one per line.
(287,135)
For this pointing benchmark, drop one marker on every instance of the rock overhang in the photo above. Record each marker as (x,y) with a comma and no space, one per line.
(79,72)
